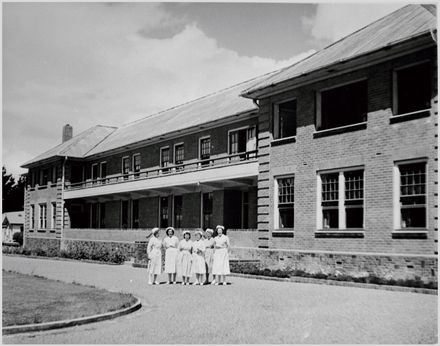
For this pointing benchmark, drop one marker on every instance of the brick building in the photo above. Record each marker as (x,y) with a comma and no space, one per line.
(329,163)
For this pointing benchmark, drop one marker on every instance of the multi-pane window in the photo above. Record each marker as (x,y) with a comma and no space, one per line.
(136,165)
(284,119)
(44,177)
(43,216)
(207,210)
(330,200)
(413,195)
(103,171)
(286,202)
(412,88)
(242,141)
(32,216)
(135,213)
(164,212)
(342,106)
(354,198)
(342,199)
(178,211)
(54,215)
(95,172)
(179,153)
(205,151)
(125,167)
(164,159)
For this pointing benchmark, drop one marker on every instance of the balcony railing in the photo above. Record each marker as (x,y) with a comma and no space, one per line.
(192,166)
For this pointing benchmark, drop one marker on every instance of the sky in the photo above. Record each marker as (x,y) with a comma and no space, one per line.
(112,63)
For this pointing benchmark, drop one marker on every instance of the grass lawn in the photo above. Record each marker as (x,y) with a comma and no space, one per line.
(29,299)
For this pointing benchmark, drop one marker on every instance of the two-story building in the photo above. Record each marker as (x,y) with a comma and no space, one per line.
(333,160)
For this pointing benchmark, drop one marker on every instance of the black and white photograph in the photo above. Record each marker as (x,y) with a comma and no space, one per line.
(219,172)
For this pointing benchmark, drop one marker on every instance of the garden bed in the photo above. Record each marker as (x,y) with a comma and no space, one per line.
(31,299)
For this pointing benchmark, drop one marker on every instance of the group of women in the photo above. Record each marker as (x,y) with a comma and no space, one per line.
(201,257)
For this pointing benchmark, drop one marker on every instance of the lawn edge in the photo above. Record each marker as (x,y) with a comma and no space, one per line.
(36,327)
(63,259)
(339,283)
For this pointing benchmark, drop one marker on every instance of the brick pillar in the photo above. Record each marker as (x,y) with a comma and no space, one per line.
(27,214)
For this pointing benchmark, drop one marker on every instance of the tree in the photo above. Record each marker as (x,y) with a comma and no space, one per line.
(13,192)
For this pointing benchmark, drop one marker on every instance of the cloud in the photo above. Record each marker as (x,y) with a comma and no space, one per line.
(88,64)
(334,21)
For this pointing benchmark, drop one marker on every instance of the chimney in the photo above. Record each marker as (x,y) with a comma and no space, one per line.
(67,132)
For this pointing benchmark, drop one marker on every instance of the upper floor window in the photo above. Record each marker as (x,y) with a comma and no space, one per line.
(285,202)
(125,166)
(136,164)
(95,172)
(179,155)
(164,158)
(205,150)
(242,141)
(412,195)
(54,174)
(412,88)
(284,119)
(341,199)
(342,106)
(103,171)
(44,177)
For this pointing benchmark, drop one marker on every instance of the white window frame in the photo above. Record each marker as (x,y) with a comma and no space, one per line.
(341,198)
(276,220)
(170,161)
(200,146)
(97,172)
(318,103)
(132,161)
(395,88)
(42,221)
(276,118)
(100,169)
(122,164)
(396,193)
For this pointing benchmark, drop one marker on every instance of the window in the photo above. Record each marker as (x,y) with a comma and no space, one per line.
(54,215)
(44,177)
(124,214)
(284,119)
(94,216)
(179,154)
(43,216)
(205,151)
(32,217)
(135,213)
(101,215)
(95,173)
(178,211)
(164,159)
(164,212)
(103,172)
(412,197)
(136,165)
(342,106)
(412,88)
(207,210)
(285,202)
(126,167)
(341,199)
(241,141)
(54,174)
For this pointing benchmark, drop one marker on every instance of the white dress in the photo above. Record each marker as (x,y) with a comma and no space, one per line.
(220,264)
(209,254)
(170,244)
(198,260)
(154,255)
(184,257)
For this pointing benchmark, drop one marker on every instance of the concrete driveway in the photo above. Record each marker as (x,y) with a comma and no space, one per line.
(246,311)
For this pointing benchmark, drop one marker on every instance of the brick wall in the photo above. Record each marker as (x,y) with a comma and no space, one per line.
(376,148)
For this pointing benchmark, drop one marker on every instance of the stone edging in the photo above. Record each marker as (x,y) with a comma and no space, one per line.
(340,283)
(62,259)
(71,323)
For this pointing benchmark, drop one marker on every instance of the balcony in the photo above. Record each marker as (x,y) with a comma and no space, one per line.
(234,168)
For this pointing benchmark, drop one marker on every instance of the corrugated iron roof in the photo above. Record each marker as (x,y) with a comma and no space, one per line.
(14,217)
(78,146)
(216,106)
(405,23)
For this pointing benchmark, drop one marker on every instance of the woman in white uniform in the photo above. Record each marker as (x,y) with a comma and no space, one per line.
(185,258)
(154,251)
(220,266)
(198,260)
(170,244)
(209,252)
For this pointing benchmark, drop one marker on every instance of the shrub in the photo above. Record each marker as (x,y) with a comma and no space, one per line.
(18,237)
